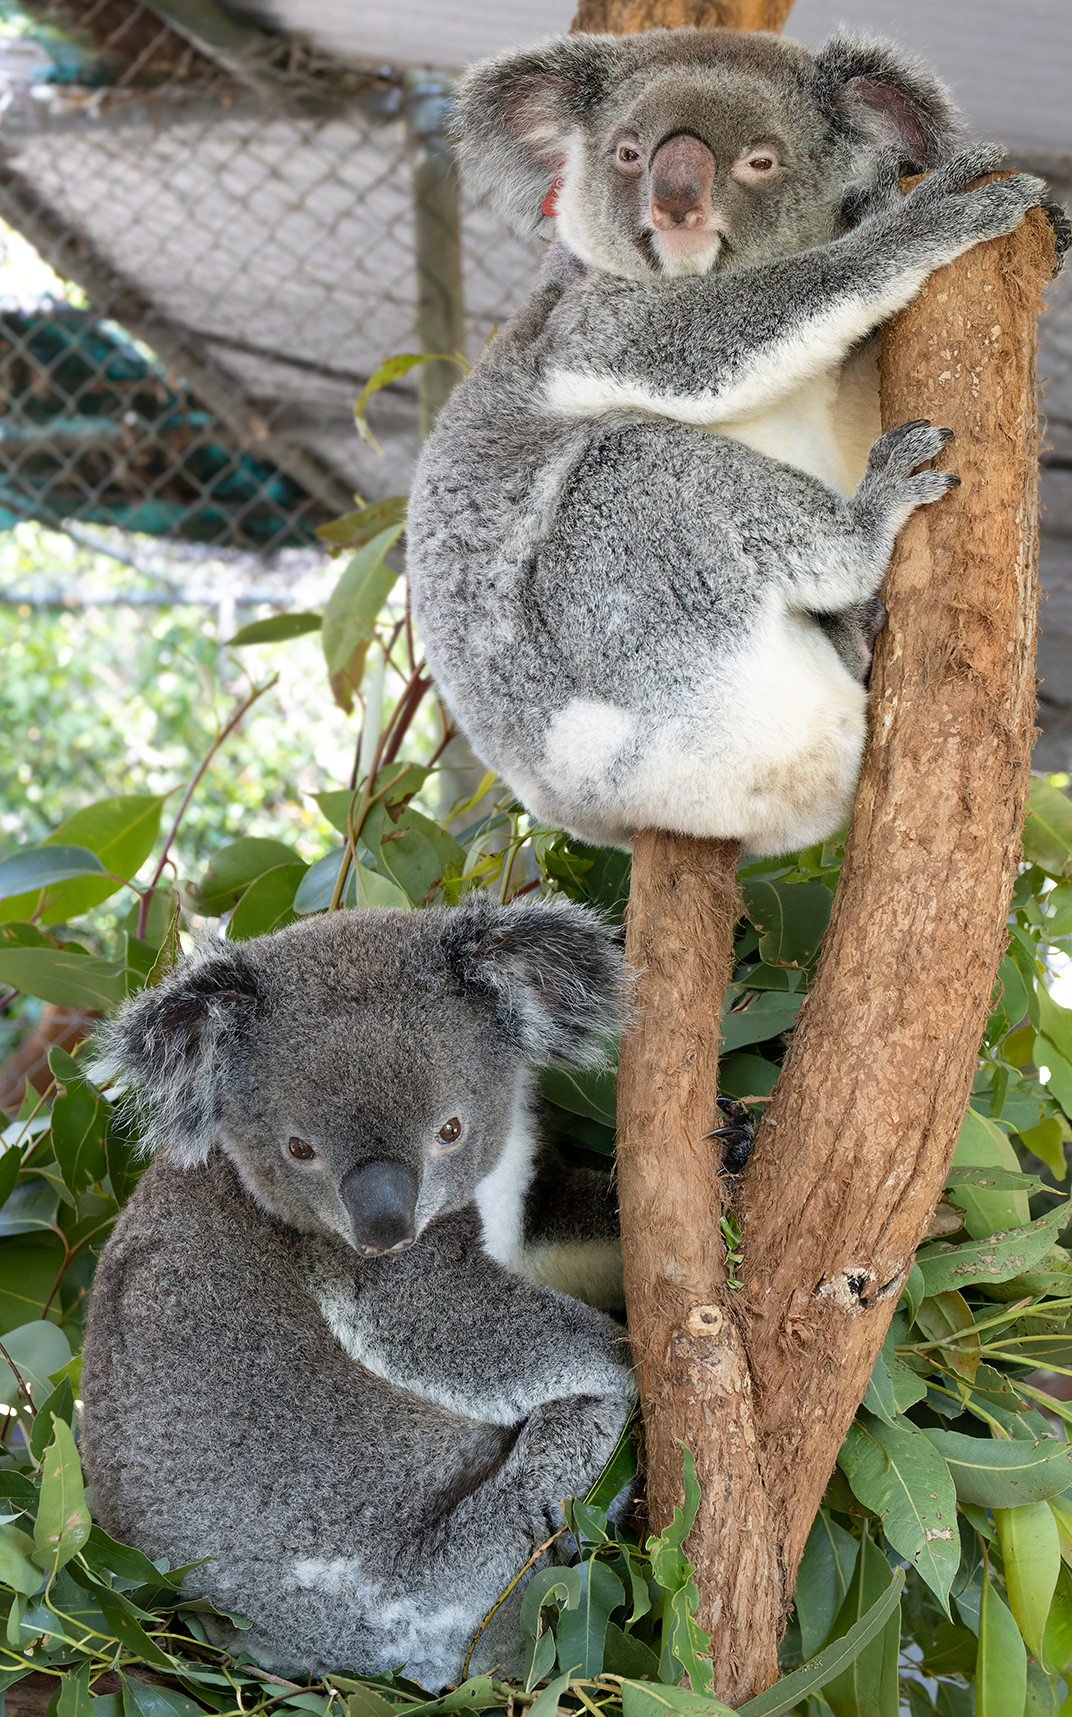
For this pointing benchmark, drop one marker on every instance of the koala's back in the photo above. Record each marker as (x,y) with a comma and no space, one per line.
(222,1419)
(630,574)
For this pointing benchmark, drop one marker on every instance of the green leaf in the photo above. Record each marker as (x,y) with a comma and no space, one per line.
(391,370)
(1013,991)
(69,980)
(914,1291)
(80,1120)
(688,1642)
(867,1685)
(122,1560)
(63,1522)
(376,891)
(949,1318)
(1058,1637)
(1058,1071)
(316,889)
(141,1700)
(1032,1556)
(75,1698)
(355,529)
(30,1209)
(39,1349)
(232,869)
(765,1014)
(590,1094)
(34,868)
(412,850)
(647,1699)
(395,782)
(352,609)
(822,1579)
(60,1402)
(268,903)
(623,1654)
(276,629)
(546,1703)
(582,1628)
(1046,1141)
(474,1695)
(876,1624)
(746,1076)
(619,1469)
(893,1386)
(996,1259)
(790,918)
(987,1210)
(1001,1666)
(895,1471)
(16,1569)
(1048,830)
(560,1586)
(121,832)
(129,1630)
(29,1266)
(998,1474)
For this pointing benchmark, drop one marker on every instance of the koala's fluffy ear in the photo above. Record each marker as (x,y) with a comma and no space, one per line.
(553,971)
(873,89)
(514,114)
(169,1043)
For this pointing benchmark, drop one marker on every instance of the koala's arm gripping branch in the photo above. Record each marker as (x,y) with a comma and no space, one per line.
(731,345)
(853,1152)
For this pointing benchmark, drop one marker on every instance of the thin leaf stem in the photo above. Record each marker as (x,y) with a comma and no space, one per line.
(19,1380)
(243,709)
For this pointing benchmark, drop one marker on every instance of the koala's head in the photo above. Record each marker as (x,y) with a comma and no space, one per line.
(363,1070)
(680,151)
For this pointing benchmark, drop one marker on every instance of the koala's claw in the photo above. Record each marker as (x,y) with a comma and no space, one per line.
(898,453)
(736,1135)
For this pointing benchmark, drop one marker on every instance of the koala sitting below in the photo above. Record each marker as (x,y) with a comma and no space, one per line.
(647,535)
(310,1356)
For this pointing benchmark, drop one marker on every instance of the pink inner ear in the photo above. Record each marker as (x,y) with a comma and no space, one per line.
(534,118)
(549,206)
(901,121)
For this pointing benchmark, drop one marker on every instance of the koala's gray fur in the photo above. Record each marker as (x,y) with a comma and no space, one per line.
(646,537)
(329,1375)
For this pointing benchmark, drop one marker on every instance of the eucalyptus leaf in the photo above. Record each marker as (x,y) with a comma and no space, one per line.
(1048,829)
(1031,1553)
(276,629)
(232,869)
(354,530)
(582,1093)
(268,903)
(1001,1666)
(765,1014)
(823,1579)
(880,1619)
(34,868)
(895,1471)
(63,1524)
(68,980)
(1000,1474)
(121,832)
(996,1259)
(868,1679)
(790,918)
(582,1627)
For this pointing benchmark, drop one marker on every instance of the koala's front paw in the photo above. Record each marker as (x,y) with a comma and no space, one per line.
(736,1135)
(967,216)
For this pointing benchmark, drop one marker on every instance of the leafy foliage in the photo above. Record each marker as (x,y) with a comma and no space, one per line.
(938,1575)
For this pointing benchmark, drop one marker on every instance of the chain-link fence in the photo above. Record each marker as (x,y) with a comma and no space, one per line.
(237,267)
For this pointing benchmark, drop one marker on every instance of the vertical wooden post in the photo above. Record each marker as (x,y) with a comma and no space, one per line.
(437,243)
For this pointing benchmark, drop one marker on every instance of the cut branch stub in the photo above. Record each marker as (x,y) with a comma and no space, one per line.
(853,1152)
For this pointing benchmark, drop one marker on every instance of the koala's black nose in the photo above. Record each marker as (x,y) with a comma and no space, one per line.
(381,1199)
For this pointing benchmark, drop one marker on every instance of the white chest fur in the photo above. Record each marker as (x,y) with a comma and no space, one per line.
(826,427)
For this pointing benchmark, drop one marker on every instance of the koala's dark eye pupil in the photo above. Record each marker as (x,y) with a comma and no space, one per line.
(762,163)
(301,1148)
(628,154)
(450,1130)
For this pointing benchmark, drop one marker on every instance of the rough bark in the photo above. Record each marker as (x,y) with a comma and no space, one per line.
(853,1152)
(692,1370)
(624,17)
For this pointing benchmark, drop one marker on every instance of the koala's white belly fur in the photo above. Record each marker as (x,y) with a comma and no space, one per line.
(771,758)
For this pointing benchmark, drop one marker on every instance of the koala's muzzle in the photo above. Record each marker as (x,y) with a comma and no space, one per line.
(682,171)
(381,1200)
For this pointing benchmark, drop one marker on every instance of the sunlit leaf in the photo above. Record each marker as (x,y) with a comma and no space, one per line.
(353,608)
(33,868)
(231,870)
(276,629)
(996,1259)
(63,1522)
(1048,829)
(80,1121)
(1001,1666)
(355,529)
(268,903)
(1031,1554)
(67,979)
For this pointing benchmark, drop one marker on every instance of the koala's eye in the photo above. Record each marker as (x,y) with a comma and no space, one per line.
(628,157)
(760,164)
(300,1148)
(449,1133)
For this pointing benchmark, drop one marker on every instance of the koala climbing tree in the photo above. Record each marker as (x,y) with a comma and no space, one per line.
(848,1165)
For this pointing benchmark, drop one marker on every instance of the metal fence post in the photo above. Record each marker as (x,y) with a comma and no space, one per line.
(437,239)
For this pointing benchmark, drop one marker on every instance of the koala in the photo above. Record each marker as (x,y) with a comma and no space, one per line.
(311,1354)
(649,530)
